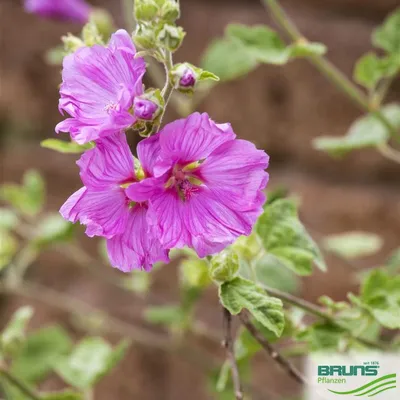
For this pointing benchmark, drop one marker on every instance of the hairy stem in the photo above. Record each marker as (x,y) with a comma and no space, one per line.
(17,383)
(327,68)
(228,344)
(290,369)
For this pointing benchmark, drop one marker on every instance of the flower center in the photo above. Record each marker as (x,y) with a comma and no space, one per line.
(184,181)
(110,107)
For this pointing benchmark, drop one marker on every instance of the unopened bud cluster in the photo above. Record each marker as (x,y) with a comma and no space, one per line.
(156,24)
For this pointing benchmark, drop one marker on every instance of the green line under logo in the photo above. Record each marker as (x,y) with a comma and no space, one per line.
(387,382)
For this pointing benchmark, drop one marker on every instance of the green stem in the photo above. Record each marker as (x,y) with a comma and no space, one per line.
(17,383)
(327,68)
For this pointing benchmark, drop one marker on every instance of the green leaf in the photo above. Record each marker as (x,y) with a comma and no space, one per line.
(380,295)
(367,131)
(368,70)
(65,395)
(283,236)
(34,188)
(194,272)
(55,55)
(164,315)
(8,219)
(53,229)
(13,334)
(260,42)
(353,244)
(41,349)
(322,336)
(307,49)
(208,76)
(65,147)
(227,59)
(271,271)
(28,198)
(8,248)
(387,36)
(241,293)
(90,360)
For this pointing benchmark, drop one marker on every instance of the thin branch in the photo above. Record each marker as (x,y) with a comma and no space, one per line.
(21,386)
(228,344)
(289,368)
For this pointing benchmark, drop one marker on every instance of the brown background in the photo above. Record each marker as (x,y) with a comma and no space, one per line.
(280,109)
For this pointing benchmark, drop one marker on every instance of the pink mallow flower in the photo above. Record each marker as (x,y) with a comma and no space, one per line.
(65,10)
(103,206)
(99,87)
(207,186)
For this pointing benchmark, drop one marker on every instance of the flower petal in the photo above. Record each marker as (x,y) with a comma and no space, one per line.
(202,222)
(148,151)
(191,139)
(136,247)
(105,213)
(235,172)
(99,85)
(109,164)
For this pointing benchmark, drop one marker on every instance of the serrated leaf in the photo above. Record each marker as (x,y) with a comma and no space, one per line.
(53,229)
(226,59)
(65,147)
(90,360)
(353,244)
(283,236)
(41,349)
(387,36)
(164,315)
(274,273)
(368,70)
(224,266)
(367,131)
(260,42)
(380,295)
(13,334)
(240,293)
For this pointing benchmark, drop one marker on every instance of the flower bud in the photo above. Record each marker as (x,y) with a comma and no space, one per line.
(170,11)
(149,105)
(144,37)
(145,10)
(171,37)
(224,266)
(145,109)
(184,77)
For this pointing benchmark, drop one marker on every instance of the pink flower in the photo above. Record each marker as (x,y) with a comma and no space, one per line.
(67,10)
(102,204)
(207,186)
(99,87)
